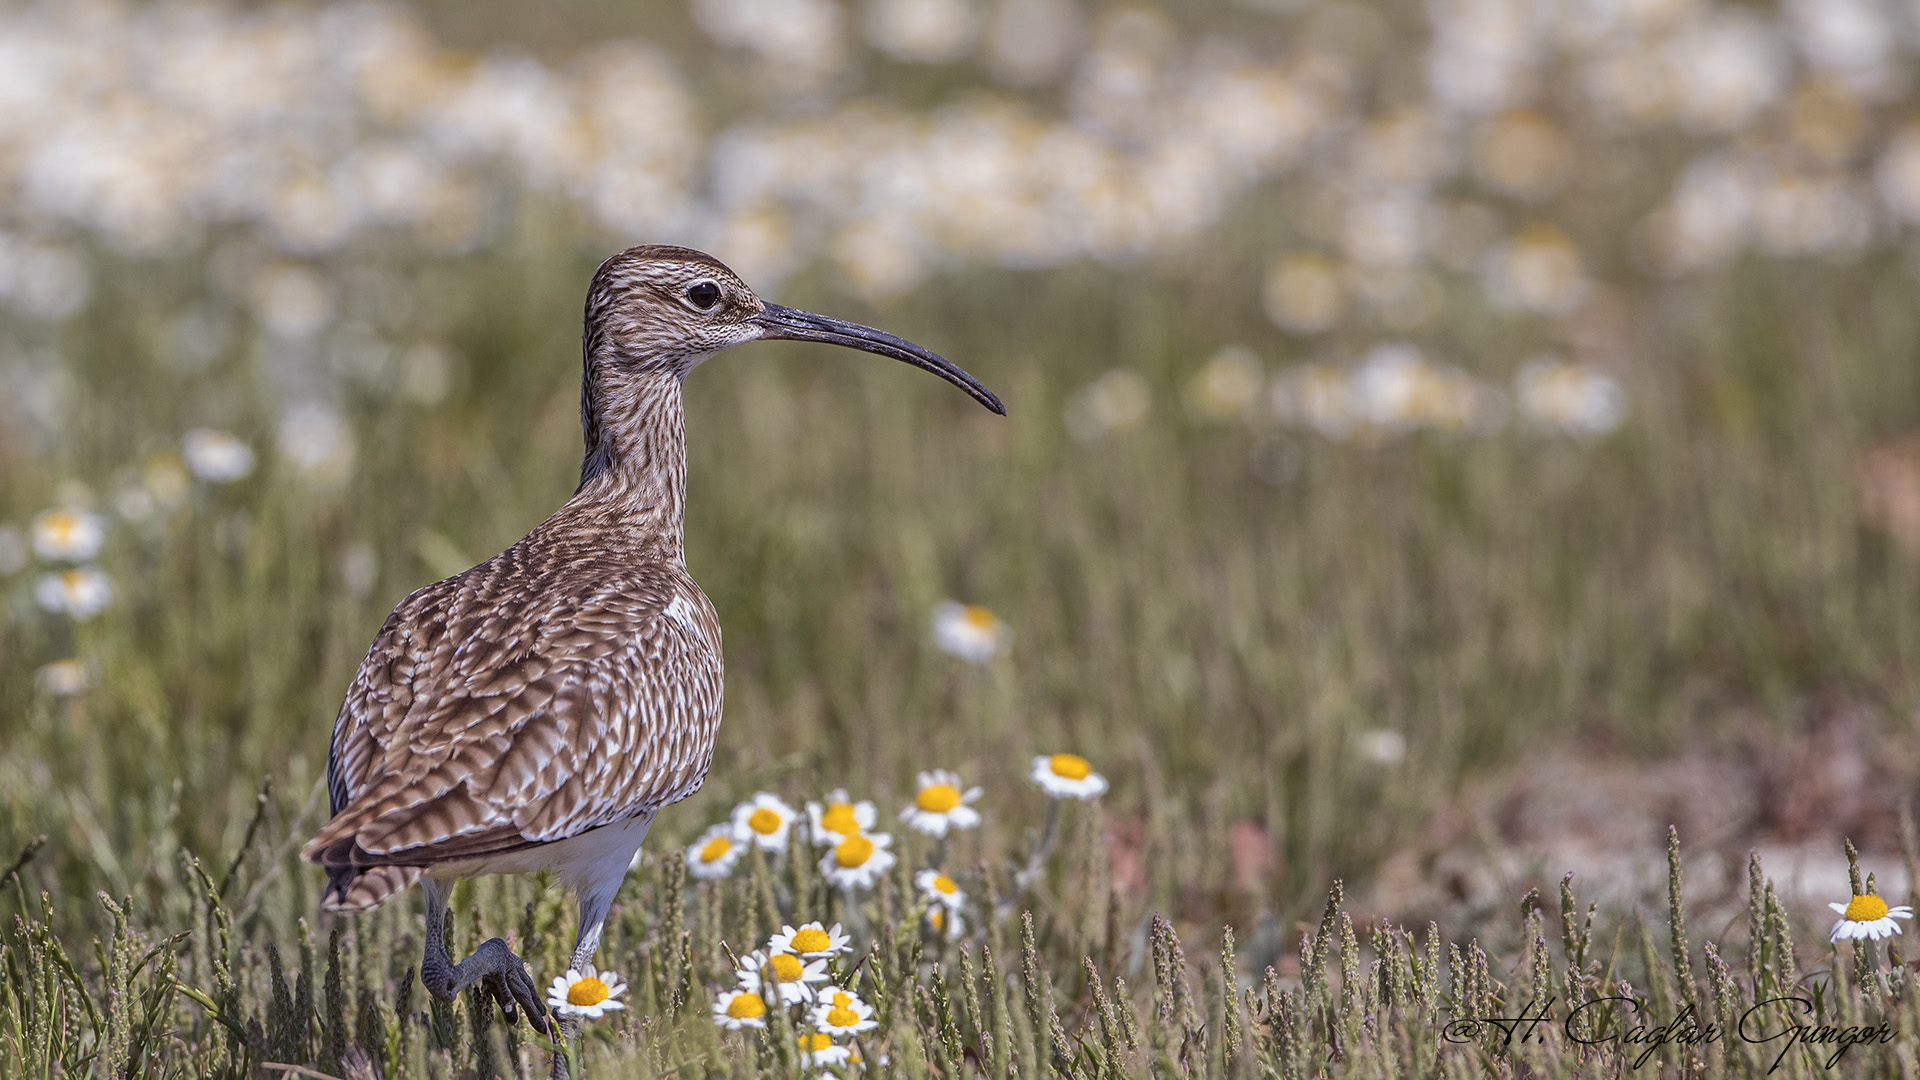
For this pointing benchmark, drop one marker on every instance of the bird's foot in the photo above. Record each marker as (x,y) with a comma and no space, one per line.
(500,976)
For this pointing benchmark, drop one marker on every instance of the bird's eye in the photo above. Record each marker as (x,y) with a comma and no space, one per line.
(703,295)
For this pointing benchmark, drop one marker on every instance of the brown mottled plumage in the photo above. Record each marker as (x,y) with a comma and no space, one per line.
(536,711)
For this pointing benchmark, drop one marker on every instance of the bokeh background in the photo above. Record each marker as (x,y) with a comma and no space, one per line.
(1448,442)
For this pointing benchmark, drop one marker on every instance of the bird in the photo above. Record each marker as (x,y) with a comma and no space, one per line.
(535,712)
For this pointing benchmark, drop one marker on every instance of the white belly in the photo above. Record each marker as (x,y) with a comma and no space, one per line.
(597,857)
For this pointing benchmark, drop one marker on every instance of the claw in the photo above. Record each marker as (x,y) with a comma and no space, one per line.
(502,978)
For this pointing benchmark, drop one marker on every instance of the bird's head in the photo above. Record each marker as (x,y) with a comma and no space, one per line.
(658,308)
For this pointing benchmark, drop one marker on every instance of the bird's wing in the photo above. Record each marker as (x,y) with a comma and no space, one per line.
(477,725)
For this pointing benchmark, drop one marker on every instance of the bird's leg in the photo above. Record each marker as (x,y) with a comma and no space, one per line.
(501,975)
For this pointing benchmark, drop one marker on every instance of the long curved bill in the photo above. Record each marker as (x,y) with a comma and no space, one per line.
(790,324)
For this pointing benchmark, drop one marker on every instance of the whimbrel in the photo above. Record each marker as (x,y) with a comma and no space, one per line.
(535,712)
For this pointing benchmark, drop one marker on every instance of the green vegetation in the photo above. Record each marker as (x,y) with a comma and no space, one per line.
(1289,650)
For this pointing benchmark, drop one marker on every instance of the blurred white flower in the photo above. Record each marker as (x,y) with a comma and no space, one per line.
(317,442)
(42,281)
(967,631)
(802,36)
(1569,398)
(1302,293)
(922,31)
(1810,215)
(819,1051)
(839,817)
(1523,154)
(1728,65)
(713,855)
(166,480)
(764,820)
(1406,148)
(62,678)
(1709,216)
(1228,385)
(292,301)
(840,1012)
(1386,228)
(939,888)
(858,861)
(1067,776)
(1854,41)
(881,259)
(68,534)
(737,1009)
(1397,389)
(1538,269)
(216,456)
(134,503)
(1032,41)
(359,568)
(1113,404)
(81,592)
(941,803)
(811,941)
(426,374)
(1897,176)
(1318,397)
(1483,52)
(1383,745)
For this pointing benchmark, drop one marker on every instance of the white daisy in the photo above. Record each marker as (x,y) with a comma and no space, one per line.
(791,976)
(967,631)
(811,940)
(62,677)
(1867,917)
(819,1051)
(591,994)
(841,1012)
(1067,776)
(68,535)
(738,1009)
(713,855)
(840,818)
(858,861)
(81,592)
(216,456)
(940,888)
(946,921)
(765,820)
(941,804)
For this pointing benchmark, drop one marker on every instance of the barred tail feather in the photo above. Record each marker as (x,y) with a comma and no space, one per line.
(363,888)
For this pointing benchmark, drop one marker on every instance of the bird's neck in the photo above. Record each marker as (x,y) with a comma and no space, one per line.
(635,469)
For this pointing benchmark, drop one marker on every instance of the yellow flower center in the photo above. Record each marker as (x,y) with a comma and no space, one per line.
(840,1016)
(1071,766)
(937,919)
(815,1041)
(842,1000)
(786,967)
(840,818)
(73,579)
(715,849)
(63,526)
(937,798)
(944,884)
(764,821)
(853,851)
(747,1007)
(978,617)
(812,939)
(588,991)
(1866,909)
